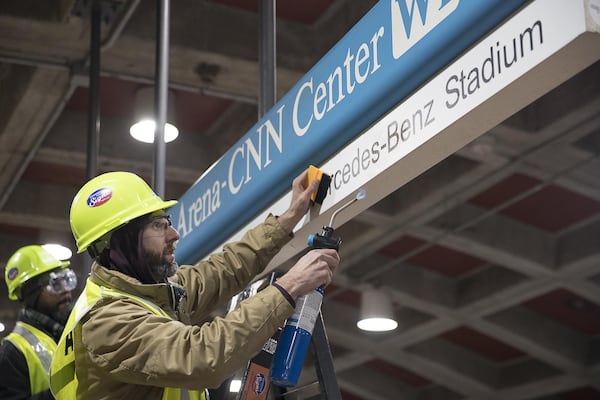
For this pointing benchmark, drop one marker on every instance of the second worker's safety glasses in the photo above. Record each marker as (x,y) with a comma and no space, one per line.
(61,281)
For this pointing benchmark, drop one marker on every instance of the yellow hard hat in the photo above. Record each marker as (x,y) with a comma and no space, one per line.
(27,263)
(107,202)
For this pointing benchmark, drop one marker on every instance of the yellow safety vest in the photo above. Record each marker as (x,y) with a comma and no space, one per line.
(38,349)
(63,379)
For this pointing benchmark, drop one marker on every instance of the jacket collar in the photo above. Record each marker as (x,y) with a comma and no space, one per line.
(164,295)
(41,321)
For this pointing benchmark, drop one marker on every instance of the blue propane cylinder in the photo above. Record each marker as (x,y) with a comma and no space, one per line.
(294,340)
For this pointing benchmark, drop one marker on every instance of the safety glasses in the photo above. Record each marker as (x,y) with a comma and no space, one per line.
(62,281)
(158,225)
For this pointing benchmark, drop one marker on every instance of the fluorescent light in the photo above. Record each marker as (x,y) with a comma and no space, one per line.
(2,327)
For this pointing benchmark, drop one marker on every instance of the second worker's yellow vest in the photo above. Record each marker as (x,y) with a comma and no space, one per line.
(38,349)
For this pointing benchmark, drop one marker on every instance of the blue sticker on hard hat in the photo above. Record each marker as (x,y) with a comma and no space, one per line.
(12,273)
(99,197)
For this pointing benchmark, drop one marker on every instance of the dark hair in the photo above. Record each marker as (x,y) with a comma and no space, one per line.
(126,253)
(31,290)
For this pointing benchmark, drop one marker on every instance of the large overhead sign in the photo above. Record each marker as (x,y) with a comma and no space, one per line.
(543,45)
(390,52)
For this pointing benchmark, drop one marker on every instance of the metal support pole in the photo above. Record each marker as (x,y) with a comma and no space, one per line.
(266,57)
(324,362)
(94,92)
(161,95)
(93,131)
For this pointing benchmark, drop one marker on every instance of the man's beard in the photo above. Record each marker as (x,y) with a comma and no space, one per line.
(159,267)
(60,316)
(56,311)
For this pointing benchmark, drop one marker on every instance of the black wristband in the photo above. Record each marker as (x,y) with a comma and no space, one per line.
(285,294)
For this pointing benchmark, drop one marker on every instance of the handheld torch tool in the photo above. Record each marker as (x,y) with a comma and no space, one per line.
(326,240)
(297,332)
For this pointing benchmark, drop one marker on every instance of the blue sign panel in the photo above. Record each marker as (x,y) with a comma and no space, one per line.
(388,54)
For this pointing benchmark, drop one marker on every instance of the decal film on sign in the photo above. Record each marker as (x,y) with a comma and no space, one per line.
(391,51)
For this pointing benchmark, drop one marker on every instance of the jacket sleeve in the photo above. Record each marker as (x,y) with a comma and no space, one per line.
(132,345)
(213,282)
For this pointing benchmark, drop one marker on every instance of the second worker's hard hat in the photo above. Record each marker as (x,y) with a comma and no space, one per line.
(27,263)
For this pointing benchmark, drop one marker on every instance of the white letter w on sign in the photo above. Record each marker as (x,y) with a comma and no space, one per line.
(413,19)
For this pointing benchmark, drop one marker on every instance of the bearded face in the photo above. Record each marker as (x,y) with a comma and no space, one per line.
(55,297)
(162,265)
(159,239)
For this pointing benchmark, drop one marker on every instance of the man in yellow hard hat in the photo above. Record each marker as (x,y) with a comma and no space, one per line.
(43,284)
(138,331)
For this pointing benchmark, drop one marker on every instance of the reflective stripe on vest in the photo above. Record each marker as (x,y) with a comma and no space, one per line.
(63,380)
(38,349)
(177,394)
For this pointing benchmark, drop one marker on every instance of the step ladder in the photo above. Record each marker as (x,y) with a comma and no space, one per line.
(255,380)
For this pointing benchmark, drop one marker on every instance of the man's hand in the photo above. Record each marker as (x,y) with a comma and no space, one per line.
(300,202)
(315,269)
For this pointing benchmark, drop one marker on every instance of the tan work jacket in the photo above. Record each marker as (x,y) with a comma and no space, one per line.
(124,351)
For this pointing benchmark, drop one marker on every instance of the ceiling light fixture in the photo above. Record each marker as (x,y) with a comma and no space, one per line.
(376,311)
(144,126)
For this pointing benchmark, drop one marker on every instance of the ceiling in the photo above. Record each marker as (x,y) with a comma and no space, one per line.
(492,257)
